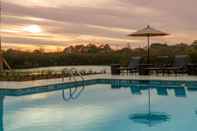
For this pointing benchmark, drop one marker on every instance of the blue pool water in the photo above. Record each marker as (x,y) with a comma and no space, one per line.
(103,105)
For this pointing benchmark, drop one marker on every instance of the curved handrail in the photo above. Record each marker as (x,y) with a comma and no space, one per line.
(73,94)
(80,75)
(64,96)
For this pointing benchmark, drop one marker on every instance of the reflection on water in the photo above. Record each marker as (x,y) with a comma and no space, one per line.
(137,87)
(72,93)
(103,107)
(162,89)
(151,118)
(1,112)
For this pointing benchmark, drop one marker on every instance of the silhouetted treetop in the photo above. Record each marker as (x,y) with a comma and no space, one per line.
(94,55)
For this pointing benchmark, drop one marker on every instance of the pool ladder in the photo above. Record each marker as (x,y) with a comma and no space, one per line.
(75,92)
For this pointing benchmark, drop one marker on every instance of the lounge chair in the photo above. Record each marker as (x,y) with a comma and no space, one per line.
(133,66)
(115,69)
(180,92)
(115,85)
(135,90)
(162,91)
(192,69)
(162,62)
(179,65)
(181,61)
(192,87)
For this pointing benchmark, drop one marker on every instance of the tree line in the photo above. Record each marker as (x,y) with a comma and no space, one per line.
(95,55)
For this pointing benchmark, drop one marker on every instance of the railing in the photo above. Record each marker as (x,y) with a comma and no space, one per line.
(73,94)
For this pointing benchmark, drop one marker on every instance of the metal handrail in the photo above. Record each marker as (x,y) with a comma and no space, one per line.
(64,96)
(71,73)
(80,75)
(72,94)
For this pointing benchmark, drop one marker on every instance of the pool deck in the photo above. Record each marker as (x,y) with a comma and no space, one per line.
(36,83)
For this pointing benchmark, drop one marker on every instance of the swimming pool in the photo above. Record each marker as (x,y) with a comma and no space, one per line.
(103,105)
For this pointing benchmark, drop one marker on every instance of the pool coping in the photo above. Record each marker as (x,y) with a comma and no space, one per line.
(48,82)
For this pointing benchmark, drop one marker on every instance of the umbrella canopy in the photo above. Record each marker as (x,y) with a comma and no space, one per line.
(150,119)
(148,32)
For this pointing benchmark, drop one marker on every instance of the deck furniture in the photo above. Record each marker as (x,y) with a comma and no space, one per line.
(162,91)
(135,90)
(133,66)
(162,62)
(180,92)
(145,69)
(192,69)
(179,66)
(115,69)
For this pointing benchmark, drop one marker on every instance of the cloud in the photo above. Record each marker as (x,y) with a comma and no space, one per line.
(119,17)
(57,3)
(30,41)
(101,19)
(111,28)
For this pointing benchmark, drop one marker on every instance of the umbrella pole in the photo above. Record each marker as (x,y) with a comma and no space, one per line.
(148,55)
(1,112)
(149,112)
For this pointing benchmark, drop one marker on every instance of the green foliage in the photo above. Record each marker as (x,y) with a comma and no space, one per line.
(95,55)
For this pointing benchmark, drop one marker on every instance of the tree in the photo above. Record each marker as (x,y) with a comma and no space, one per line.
(94,55)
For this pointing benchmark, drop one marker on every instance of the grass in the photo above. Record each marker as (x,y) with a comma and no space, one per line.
(38,75)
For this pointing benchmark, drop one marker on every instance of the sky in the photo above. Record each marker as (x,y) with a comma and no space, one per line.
(55,24)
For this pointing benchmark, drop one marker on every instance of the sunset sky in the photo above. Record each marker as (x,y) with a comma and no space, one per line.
(55,24)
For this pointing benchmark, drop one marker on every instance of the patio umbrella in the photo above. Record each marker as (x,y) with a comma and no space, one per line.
(148,32)
(149,118)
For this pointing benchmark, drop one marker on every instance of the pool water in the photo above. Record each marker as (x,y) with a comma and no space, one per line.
(107,106)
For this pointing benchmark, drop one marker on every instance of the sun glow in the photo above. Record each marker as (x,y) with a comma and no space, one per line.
(32,29)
